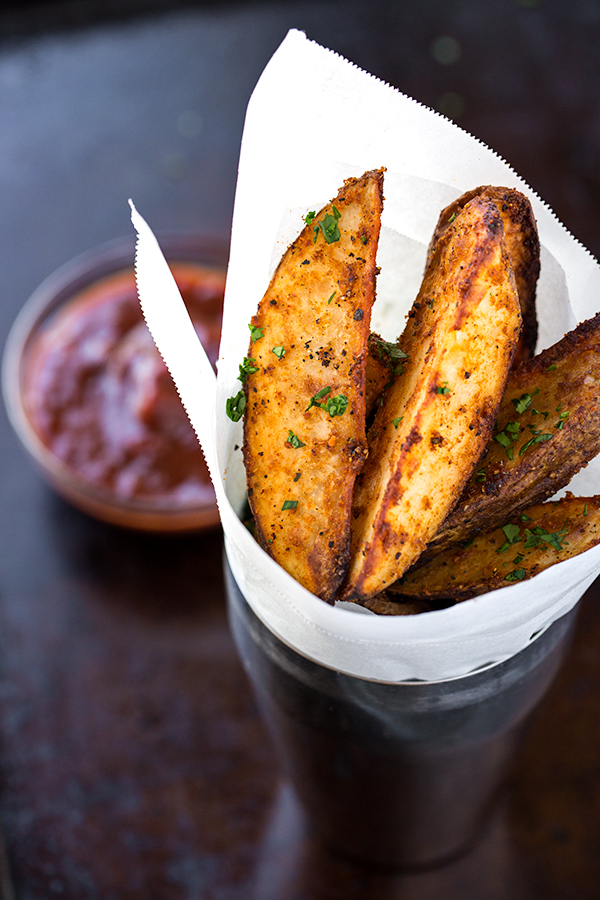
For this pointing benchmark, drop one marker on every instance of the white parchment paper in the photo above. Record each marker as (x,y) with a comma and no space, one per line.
(313,120)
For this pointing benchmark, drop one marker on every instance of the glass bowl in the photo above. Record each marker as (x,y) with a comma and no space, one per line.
(60,305)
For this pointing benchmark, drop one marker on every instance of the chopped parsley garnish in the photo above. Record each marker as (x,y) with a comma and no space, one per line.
(531,537)
(235,406)
(329,226)
(585,510)
(364,239)
(481,476)
(279,351)
(537,535)
(255,332)
(309,216)
(336,406)
(392,351)
(503,439)
(452,218)
(512,533)
(331,298)
(294,440)
(517,575)
(444,389)
(315,400)
(396,422)
(522,403)
(537,439)
(561,418)
(289,504)
(551,368)
(507,437)
(247,367)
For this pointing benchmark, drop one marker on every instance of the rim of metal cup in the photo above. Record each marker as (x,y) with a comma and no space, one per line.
(147,514)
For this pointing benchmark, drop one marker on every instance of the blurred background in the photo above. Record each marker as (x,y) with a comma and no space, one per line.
(132,760)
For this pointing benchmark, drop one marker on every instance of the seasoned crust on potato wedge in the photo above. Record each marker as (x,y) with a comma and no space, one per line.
(520,231)
(437,416)
(548,428)
(539,537)
(304,428)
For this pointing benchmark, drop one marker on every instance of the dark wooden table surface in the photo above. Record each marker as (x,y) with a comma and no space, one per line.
(132,760)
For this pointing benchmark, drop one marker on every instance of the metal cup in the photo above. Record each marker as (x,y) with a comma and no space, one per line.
(404,774)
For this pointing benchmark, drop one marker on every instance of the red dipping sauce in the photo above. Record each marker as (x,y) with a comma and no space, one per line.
(101,402)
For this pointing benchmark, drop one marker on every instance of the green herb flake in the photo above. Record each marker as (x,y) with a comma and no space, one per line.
(481,476)
(516,575)
(396,422)
(522,403)
(443,389)
(551,368)
(336,406)
(331,298)
(364,239)
(315,400)
(512,533)
(279,351)
(535,440)
(289,504)
(255,332)
(585,510)
(297,476)
(235,406)
(309,216)
(539,534)
(394,354)
(294,440)
(525,518)
(247,367)
(503,439)
(518,559)
(329,227)
(452,218)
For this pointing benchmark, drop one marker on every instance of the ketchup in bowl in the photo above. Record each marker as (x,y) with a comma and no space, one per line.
(96,406)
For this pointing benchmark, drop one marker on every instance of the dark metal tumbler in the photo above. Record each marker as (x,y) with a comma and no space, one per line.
(394,774)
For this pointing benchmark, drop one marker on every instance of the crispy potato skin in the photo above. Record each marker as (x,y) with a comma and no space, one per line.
(318,309)
(566,377)
(460,573)
(437,416)
(521,234)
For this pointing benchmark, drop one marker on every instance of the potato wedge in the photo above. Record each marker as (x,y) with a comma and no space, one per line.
(388,604)
(539,537)
(548,428)
(437,416)
(520,231)
(385,360)
(304,428)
